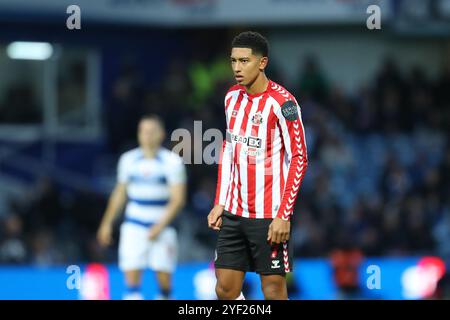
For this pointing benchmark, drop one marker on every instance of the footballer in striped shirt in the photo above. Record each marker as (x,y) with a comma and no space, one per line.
(262,164)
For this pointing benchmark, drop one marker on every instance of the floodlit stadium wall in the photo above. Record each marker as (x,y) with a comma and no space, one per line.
(352,57)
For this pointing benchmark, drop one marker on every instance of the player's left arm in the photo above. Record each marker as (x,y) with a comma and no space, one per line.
(289,117)
(177,198)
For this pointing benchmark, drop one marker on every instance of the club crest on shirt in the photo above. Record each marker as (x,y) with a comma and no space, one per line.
(257,118)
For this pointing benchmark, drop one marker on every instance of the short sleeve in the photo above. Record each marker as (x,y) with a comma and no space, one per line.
(122,170)
(176,171)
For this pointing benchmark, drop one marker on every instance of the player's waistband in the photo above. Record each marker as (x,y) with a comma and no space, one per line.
(142,223)
(138,222)
(149,202)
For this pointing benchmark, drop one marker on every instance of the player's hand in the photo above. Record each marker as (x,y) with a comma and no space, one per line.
(154,231)
(104,235)
(215,217)
(279,231)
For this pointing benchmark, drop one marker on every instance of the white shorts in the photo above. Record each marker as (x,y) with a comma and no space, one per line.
(137,252)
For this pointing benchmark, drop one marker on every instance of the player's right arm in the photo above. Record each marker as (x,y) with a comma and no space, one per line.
(223,181)
(115,204)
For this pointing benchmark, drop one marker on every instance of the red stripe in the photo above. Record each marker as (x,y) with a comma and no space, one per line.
(239,184)
(292,167)
(231,188)
(233,185)
(229,194)
(282,182)
(291,195)
(219,178)
(281,168)
(227,102)
(251,161)
(304,156)
(236,108)
(268,168)
(234,168)
(242,131)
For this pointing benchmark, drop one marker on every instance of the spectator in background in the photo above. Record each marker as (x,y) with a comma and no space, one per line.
(19,106)
(47,209)
(442,88)
(364,119)
(72,99)
(44,249)
(312,82)
(13,249)
(395,182)
(346,260)
(388,78)
(124,108)
(387,141)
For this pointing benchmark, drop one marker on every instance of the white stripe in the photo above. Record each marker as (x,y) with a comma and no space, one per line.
(260,163)
(244,189)
(244,163)
(147,192)
(226,171)
(236,130)
(229,191)
(287,145)
(286,137)
(227,158)
(286,257)
(303,129)
(276,197)
(234,93)
(240,115)
(229,109)
(283,125)
(235,191)
(144,213)
(285,169)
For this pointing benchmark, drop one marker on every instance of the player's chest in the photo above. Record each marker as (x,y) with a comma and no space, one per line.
(148,170)
(254,116)
(250,126)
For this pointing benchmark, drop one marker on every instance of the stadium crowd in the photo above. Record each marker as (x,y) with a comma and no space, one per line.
(378,177)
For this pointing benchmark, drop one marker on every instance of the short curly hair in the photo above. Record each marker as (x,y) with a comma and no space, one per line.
(253,40)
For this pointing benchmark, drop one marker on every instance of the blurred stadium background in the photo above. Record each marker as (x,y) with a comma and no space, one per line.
(375,103)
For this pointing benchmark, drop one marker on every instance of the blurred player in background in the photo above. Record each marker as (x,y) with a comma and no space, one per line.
(262,165)
(153,180)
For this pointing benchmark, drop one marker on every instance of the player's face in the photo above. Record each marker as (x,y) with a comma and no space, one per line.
(150,134)
(246,65)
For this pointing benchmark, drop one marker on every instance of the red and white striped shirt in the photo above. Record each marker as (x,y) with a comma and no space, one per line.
(264,157)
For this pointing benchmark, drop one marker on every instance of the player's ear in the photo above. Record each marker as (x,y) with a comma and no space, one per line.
(263,63)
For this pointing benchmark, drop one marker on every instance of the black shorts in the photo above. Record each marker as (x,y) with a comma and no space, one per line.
(242,245)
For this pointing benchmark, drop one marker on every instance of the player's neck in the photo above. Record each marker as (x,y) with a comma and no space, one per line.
(149,152)
(259,85)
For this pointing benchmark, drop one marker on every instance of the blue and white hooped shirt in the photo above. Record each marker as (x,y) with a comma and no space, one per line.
(148,181)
